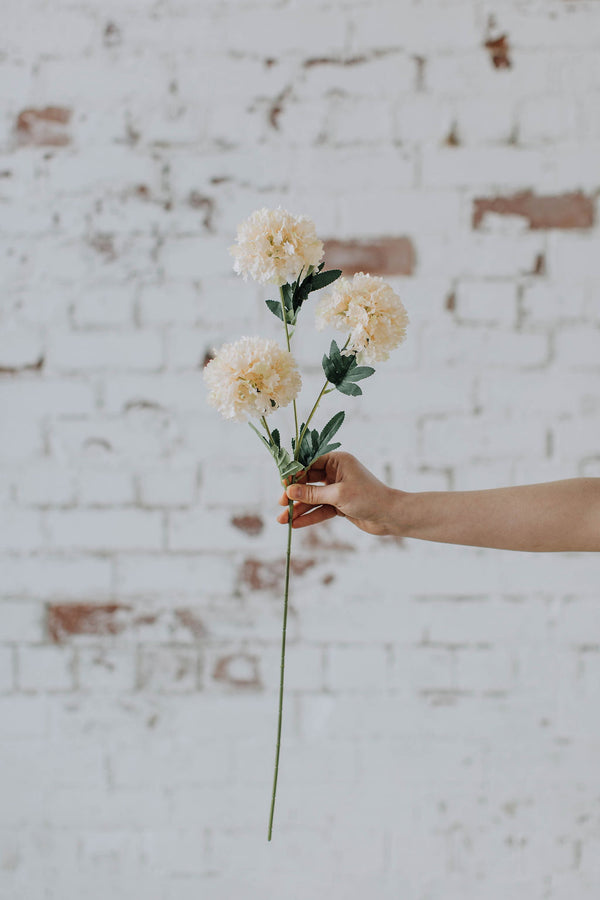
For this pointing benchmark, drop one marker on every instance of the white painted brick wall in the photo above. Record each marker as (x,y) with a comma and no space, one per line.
(440,734)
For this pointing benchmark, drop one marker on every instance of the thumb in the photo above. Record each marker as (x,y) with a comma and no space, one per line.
(314,494)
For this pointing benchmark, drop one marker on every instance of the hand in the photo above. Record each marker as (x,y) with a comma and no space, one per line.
(337,484)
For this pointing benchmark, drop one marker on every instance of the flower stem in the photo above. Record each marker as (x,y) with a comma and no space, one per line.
(285,609)
(287,337)
(264,421)
(314,409)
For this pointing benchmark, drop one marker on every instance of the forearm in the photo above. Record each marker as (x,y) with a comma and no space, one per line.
(551,516)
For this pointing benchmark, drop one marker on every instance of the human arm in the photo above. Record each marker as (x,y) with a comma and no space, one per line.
(546,517)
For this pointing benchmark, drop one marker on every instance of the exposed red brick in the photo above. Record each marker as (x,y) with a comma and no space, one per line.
(223,670)
(574,210)
(65,619)
(499,52)
(44,127)
(451,302)
(249,524)
(328,579)
(191,621)
(146,619)
(269,576)
(383,256)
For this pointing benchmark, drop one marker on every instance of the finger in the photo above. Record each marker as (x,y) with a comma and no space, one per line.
(313,494)
(299,510)
(320,514)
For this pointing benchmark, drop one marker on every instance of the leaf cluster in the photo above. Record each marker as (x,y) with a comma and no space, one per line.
(343,372)
(285,464)
(295,294)
(313,445)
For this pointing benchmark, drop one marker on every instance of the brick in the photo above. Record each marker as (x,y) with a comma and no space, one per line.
(385,256)
(22,440)
(106,669)
(421,212)
(104,307)
(21,351)
(6,670)
(89,351)
(98,809)
(578,348)
(571,256)
(421,117)
(46,483)
(478,345)
(168,488)
(475,125)
(169,669)
(457,439)
(476,167)
(574,210)
(105,529)
(55,577)
(105,487)
(356,668)
(21,620)
(21,530)
(185,762)
(168,304)
(174,575)
(67,619)
(44,126)
(492,302)
(49,397)
(24,717)
(45,669)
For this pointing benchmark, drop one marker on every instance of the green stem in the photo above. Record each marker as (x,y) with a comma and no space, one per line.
(307,423)
(314,409)
(285,609)
(264,421)
(287,337)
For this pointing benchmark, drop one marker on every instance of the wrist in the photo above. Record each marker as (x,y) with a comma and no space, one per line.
(398,515)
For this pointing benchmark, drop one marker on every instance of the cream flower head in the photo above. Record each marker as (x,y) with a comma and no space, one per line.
(251,377)
(367,308)
(273,246)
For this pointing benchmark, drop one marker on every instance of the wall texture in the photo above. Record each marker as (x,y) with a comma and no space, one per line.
(441,732)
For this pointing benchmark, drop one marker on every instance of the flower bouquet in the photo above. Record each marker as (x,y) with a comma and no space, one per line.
(254,376)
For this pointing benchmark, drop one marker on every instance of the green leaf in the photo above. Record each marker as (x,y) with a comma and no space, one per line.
(336,366)
(314,445)
(322,279)
(288,291)
(275,436)
(275,307)
(346,387)
(285,464)
(357,373)
(332,427)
